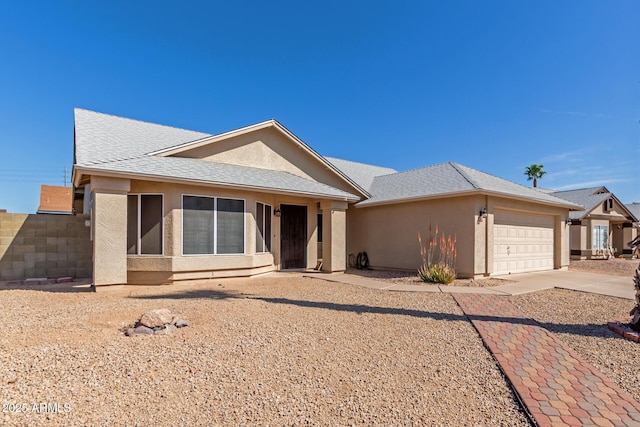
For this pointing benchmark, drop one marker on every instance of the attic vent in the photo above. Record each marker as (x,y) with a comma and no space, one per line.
(608,205)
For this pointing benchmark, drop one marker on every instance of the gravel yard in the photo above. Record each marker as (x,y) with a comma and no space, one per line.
(279,351)
(266,351)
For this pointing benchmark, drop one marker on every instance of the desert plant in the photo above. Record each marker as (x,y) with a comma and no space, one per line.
(437,273)
(438,258)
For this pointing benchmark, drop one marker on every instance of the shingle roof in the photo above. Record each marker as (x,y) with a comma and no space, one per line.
(449,179)
(117,144)
(588,198)
(361,173)
(104,138)
(634,208)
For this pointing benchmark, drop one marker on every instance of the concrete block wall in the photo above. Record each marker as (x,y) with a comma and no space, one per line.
(41,245)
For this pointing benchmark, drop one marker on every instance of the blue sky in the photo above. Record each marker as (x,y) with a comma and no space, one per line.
(494,85)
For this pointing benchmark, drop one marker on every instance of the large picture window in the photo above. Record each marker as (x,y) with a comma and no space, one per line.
(600,237)
(212,225)
(144,224)
(263,228)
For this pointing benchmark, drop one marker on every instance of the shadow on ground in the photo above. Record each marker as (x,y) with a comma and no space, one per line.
(70,287)
(588,330)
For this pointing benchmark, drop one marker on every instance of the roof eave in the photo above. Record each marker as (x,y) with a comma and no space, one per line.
(567,205)
(162,178)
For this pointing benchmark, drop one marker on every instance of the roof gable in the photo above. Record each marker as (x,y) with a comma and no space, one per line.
(592,200)
(110,144)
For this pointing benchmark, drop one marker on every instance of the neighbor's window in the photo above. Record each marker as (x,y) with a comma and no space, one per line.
(600,237)
(144,224)
(263,228)
(212,225)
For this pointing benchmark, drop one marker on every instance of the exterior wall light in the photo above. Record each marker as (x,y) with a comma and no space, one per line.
(277,211)
(483,213)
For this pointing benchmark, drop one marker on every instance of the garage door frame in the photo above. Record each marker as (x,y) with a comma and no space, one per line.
(523,242)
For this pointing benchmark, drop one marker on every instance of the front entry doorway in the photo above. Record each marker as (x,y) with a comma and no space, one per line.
(293,236)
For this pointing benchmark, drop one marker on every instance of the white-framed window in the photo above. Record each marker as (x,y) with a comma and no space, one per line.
(212,225)
(145,226)
(263,228)
(600,237)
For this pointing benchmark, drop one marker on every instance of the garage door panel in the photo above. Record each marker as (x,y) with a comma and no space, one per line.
(522,242)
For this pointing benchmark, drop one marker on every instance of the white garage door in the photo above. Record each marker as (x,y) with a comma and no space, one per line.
(522,242)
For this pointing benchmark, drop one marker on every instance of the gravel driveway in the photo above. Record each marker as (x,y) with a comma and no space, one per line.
(273,351)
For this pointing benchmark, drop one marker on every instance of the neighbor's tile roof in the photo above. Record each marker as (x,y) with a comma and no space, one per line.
(588,198)
(116,144)
(55,199)
(449,179)
(361,173)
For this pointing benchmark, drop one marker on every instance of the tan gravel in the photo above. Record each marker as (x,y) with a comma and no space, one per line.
(411,277)
(613,266)
(269,351)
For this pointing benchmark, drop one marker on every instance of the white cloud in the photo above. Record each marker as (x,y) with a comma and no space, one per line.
(594,183)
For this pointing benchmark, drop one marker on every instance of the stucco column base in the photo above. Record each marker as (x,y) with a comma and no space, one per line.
(334,236)
(109,230)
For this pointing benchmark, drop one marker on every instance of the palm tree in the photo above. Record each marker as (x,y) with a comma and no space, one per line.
(534,172)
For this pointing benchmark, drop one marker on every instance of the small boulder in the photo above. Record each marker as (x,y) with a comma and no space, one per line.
(164,331)
(156,318)
(139,330)
(181,323)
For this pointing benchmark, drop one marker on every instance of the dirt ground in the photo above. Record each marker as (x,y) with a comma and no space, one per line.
(277,351)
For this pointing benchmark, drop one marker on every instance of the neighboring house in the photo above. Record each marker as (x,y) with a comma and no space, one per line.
(55,200)
(172,205)
(603,228)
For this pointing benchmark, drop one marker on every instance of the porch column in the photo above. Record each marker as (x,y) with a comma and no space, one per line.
(109,230)
(334,236)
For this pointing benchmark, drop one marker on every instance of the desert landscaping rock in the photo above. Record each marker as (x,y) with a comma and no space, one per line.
(164,330)
(156,318)
(180,323)
(139,330)
(281,351)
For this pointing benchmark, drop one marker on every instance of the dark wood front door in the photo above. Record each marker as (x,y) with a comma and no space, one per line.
(293,236)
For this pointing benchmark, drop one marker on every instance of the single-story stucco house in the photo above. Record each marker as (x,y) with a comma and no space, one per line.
(604,226)
(169,205)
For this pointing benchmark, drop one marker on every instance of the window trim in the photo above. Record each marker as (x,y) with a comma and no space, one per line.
(215,224)
(264,223)
(139,224)
(599,228)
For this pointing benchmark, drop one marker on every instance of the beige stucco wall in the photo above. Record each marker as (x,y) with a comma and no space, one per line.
(173,266)
(334,230)
(109,230)
(389,233)
(269,149)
